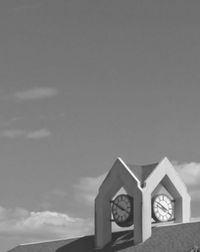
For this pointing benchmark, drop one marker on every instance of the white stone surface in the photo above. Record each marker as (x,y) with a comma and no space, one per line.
(120,175)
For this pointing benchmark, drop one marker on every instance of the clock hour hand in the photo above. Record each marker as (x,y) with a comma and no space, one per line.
(120,207)
(162,207)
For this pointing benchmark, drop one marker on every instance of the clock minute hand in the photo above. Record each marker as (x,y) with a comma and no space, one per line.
(163,208)
(120,207)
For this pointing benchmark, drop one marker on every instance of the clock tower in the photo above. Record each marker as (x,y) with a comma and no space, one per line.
(154,194)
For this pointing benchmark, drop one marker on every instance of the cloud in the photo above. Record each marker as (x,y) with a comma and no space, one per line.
(13,133)
(25,7)
(38,134)
(50,198)
(42,225)
(16,133)
(87,188)
(35,93)
(195,194)
(57,192)
(189,172)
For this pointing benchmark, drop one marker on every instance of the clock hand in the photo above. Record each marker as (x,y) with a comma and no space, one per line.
(163,208)
(121,208)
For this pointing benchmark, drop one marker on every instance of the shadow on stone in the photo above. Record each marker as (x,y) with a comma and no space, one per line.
(120,240)
(81,244)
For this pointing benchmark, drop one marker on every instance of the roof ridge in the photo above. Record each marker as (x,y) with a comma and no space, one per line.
(142,171)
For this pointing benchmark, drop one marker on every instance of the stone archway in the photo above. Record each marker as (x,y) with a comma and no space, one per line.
(117,177)
(140,187)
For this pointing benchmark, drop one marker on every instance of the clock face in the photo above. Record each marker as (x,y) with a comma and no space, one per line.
(162,208)
(122,210)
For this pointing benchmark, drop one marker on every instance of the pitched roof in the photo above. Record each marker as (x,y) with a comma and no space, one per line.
(180,237)
(73,244)
(142,171)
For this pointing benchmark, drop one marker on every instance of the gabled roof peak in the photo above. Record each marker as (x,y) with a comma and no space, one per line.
(142,171)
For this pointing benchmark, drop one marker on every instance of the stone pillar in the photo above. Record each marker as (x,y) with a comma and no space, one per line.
(146,215)
(137,219)
(178,210)
(103,232)
(186,209)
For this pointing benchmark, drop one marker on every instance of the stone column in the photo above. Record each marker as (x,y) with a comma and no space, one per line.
(103,232)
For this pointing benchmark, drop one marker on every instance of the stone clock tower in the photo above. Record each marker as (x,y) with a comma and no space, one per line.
(154,193)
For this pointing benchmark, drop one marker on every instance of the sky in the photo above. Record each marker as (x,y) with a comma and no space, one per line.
(85,82)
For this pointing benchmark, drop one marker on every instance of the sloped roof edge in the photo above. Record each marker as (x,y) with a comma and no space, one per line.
(178,176)
(131,173)
(142,172)
(159,163)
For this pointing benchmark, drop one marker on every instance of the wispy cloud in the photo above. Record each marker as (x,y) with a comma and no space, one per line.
(42,133)
(42,225)
(13,133)
(189,172)
(87,188)
(59,193)
(16,133)
(48,198)
(35,93)
(25,7)
(195,194)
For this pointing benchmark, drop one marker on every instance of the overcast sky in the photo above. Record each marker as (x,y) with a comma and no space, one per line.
(81,83)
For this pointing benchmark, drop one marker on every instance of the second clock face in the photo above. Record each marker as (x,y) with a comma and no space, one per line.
(162,208)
